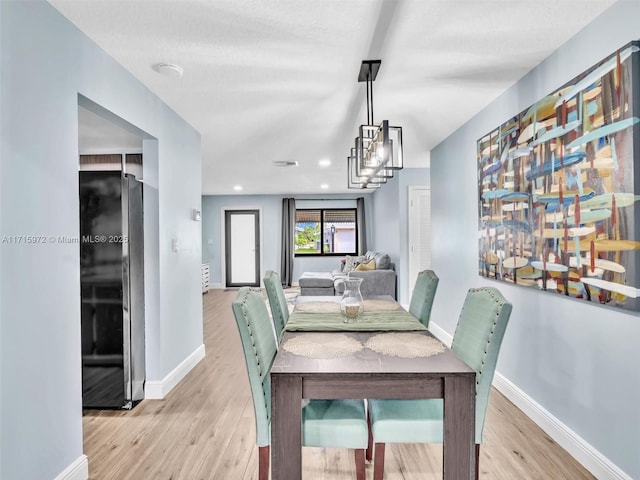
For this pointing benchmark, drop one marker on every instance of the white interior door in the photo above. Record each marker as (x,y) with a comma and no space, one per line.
(419,231)
(242,248)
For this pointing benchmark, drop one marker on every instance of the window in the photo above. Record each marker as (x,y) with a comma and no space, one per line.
(326,232)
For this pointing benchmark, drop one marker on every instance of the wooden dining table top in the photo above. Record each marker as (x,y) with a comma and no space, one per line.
(364,360)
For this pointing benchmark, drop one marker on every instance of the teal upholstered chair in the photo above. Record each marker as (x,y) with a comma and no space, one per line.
(277,301)
(423,295)
(477,340)
(325,423)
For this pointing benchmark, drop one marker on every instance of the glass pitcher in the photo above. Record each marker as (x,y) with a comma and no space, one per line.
(351,304)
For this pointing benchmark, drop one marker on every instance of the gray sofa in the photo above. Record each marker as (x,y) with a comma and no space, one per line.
(379,281)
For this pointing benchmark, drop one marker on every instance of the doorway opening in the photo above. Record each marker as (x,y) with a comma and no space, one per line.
(112,259)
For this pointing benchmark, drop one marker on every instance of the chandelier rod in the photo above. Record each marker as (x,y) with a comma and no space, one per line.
(369,97)
(368,73)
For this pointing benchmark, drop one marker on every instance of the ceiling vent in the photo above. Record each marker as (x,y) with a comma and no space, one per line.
(285,163)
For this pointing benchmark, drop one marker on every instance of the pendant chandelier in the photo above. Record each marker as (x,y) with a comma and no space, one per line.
(377,150)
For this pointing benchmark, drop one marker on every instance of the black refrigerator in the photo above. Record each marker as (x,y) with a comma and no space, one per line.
(112,289)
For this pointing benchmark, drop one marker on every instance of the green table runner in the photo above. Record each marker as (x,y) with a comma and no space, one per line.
(370,305)
(366,322)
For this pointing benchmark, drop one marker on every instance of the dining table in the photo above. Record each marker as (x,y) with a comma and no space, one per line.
(386,353)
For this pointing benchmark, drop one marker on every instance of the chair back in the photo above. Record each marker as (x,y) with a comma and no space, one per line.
(259,348)
(277,301)
(477,341)
(423,294)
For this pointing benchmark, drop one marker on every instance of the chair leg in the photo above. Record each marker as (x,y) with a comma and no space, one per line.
(378,462)
(359,463)
(477,461)
(263,463)
(369,454)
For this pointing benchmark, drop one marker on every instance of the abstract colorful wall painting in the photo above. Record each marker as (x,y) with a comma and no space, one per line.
(558,189)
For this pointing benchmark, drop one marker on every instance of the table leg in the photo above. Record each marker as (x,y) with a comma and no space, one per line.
(459,428)
(286,427)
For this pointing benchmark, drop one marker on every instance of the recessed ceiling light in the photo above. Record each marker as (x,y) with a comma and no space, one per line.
(324,186)
(169,69)
(325,162)
(237,188)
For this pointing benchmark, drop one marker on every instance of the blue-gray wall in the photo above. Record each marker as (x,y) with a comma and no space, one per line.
(391,223)
(386,220)
(46,62)
(271,221)
(578,361)
(387,226)
(212,229)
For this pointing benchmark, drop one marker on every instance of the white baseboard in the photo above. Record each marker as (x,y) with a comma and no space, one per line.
(157,390)
(590,458)
(78,470)
(440,334)
(216,286)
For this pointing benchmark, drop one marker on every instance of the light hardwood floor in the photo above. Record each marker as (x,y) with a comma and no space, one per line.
(204,429)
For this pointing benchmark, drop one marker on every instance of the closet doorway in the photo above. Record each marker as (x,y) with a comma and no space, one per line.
(419,232)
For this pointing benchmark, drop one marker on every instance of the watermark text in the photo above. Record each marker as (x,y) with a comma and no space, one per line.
(61,239)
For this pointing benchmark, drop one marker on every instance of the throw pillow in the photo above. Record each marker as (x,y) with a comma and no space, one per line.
(383,261)
(349,264)
(370,265)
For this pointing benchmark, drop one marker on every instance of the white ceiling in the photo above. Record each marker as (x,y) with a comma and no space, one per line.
(276,80)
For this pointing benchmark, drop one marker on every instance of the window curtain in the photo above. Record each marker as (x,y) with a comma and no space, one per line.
(362,227)
(288,232)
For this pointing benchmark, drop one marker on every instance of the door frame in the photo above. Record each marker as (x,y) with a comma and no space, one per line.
(223,240)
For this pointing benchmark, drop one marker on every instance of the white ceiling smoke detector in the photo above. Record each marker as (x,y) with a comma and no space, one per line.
(169,69)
